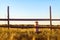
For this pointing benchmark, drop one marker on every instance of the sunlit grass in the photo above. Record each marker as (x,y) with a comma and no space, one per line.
(28,34)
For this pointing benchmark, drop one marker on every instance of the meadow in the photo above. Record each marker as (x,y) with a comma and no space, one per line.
(29,34)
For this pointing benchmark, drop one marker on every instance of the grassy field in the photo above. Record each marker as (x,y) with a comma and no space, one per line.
(28,34)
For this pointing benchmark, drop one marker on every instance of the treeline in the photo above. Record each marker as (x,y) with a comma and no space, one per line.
(30,26)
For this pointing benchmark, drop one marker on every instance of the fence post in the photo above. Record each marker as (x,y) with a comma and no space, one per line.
(8,15)
(37,30)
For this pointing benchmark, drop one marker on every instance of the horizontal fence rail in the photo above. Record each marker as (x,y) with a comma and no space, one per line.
(29,19)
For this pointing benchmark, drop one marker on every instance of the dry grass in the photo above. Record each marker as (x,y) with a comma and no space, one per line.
(28,34)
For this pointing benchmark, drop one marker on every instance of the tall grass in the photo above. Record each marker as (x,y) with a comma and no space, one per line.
(28,34)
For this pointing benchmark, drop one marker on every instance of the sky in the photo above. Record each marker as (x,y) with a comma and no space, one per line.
(30,8)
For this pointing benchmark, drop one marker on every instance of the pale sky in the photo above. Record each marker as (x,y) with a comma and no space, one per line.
(30,9)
